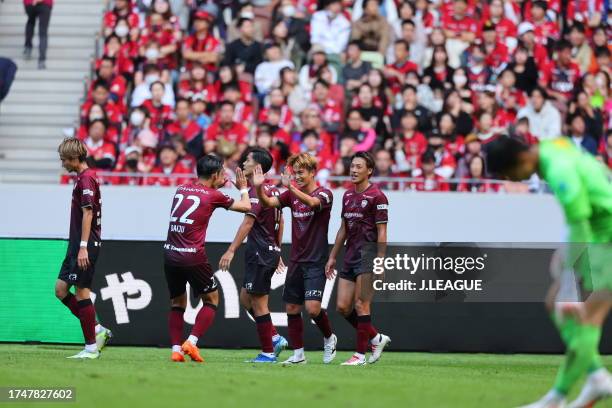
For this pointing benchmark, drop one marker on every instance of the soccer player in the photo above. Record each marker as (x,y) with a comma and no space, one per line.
(584,189)
(310,208)
(364,220)
(264,228)
(185,258)
(83,247)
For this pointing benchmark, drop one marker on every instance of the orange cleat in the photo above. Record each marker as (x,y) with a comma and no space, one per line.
(192,351)
(177,357)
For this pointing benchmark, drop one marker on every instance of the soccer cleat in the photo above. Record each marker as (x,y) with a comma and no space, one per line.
(293,361)
(329,349)
(262,358)
(103,338)
(177,357)
(84,354)
(597,387)
(354,361)
(551,400)
(377,349)
(279,345)
(192,351)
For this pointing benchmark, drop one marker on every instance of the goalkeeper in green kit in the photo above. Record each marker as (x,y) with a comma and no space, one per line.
(583,186)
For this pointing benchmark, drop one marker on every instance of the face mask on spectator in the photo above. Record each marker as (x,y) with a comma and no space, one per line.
(247,14)
(152,53)
(460,80)
(95,116)
(137,118)
(122,31)
(132,163)
(149,79)
(288,10)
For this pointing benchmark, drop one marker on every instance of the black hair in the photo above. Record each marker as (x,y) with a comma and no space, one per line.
(541,90)
(356,43)
(503,154)
(602,52)
(181,99)
(241,21)
(563,45)
(578,26)
(321,82)
(149,68)
(93,122)
(156,83)
(428,156)
(209,165)
(309,132)
(408,21)
(541,4)
(262,157)
(226,102)
(100,83)
(369,160)
(403,42)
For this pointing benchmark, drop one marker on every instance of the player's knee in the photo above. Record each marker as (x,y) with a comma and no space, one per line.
(313,310)
(344,309)
(245,299)
(179,301)
(212,298)
(292,309)
(60,292)
(362,307)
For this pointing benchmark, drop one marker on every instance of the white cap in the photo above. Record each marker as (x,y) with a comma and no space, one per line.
(132,149)
(525,27)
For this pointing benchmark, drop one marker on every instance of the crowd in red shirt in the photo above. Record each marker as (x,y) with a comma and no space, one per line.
(457,74)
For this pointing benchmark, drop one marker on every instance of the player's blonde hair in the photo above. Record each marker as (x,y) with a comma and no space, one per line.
(72,148)
(303,161)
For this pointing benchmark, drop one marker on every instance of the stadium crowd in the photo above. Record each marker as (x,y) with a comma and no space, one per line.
(422,84)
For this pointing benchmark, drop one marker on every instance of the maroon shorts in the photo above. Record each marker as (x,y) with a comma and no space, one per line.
(200,278)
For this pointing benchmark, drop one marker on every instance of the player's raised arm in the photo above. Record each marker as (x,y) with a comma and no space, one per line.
(241,234)
(244,204)
(312,202)
(258,181)
(339,243)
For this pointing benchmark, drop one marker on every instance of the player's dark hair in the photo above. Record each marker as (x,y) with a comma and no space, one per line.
(209,165)
(367,157)
(503,154)
(262,157)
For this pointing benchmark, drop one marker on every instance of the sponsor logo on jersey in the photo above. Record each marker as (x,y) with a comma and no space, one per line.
(382,206)
(88,192)
(364,203)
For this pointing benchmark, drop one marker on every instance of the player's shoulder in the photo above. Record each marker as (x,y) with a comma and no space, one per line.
(326,193)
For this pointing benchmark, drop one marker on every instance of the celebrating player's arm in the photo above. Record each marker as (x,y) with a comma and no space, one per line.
(244,204)
(330,267)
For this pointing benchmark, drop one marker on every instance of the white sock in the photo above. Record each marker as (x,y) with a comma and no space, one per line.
(91,348)
(276,337)
(177,348)
(359,356)
(328,339)
(271,355)
(376,339)
(298,354)
(99,328)
(192,339)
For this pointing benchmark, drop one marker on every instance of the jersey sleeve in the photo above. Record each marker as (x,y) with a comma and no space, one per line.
(569,190)
(381,208)
(88,188)
(285,199)
(326,197)
(222,200)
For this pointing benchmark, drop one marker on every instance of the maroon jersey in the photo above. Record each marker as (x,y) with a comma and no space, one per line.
(309,226)
(192,208)
(263,246)
(361,213)
(86,193)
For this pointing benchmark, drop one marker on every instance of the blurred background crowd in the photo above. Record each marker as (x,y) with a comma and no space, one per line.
(423,85)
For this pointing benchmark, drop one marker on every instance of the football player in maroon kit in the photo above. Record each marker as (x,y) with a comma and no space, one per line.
(310,211)
(364,220)
(185,258)
(83,247)
(264,228)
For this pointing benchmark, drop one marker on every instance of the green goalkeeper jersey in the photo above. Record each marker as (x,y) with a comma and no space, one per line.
(583,186)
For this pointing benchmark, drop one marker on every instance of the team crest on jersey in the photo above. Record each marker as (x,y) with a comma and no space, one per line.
(364,203)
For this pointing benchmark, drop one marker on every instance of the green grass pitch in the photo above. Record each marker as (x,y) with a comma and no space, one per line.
(144,377)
